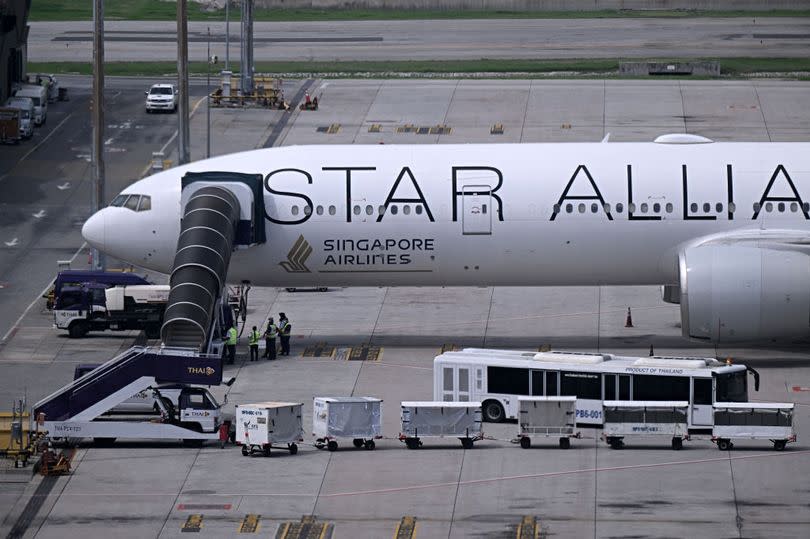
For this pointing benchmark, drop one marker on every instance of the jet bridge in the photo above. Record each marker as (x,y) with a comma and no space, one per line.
(223,211)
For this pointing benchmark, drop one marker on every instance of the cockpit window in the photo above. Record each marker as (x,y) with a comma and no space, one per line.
(146,203)
(119,201)
(132,202)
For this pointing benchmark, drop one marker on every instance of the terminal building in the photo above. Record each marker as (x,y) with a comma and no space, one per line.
(13,40)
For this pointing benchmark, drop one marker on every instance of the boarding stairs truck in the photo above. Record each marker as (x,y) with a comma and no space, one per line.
(94,307)
(78,410)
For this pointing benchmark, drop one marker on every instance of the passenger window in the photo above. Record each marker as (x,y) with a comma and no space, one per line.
(369,209)
(781,207)
(693,207)
(718,207)
(631,207)
(537,383)
(606,207)
(307,210)
(644,207)
(319,210)
(610,387)
(757,206)
(794,207)
(357,210)
(669,207)
(569,208)
(294,210)
(806,206)
(146,203)
(581,208)
(769,207)
(556,208)
(508,380)
(594,208)
(583,385)
(381,210)
(707,207)
(394,209)
(657,207)
(732,207)
(702,390)
(551,383)
(332,210)
(406,209)
(619,207)
(418,210)
(132,202)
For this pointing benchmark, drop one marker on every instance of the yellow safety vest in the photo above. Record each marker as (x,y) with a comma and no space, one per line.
(232,336)
(253,338)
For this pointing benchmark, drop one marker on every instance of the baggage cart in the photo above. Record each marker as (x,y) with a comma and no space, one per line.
(645,418)
(357,418)
(265,425)
(547,417)
(441,419)
(753,421)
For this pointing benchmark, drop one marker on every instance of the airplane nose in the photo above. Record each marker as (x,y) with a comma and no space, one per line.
(94,230)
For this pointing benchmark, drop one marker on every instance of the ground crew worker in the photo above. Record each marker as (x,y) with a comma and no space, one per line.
(253,343)
(231,344)
(284,328)
(270,339)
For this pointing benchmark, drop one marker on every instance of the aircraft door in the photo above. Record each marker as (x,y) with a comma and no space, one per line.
(476,214)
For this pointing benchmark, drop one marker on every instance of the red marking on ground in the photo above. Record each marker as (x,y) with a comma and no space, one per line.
(796,389)
(199,506)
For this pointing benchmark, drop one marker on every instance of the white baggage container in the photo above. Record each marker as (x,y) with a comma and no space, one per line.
(547,416)
(264,425)
(753,421)
(440,419)
(358,418)
(645,418)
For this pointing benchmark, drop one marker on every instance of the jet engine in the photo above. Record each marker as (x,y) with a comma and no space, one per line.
(744,293)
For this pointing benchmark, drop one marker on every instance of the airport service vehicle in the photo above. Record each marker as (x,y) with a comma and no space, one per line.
(10,120)
(355,418)
(497,378)
(39,96)
(26,108)
(76,278)
(753,421)
(51,83)
(547,417)
(81,408)
(94,307)
(683,212)
(430,419)
(161,97)
(645,418)
(262,426)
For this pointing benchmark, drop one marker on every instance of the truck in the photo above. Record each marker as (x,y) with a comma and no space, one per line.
(10,120)
(50,83)
(76,278)
(26,108)
(94,307)
(265,425)
(39,95)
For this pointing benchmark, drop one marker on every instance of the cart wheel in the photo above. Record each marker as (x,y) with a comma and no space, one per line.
(779,445)
(724,445)
(369,444)
(565,443)
(467,443)
(615,443)
(525,442)
(267,451)
(293,448)
(332,445)
(358,442)
(677,444)
(412,443)
(245,451)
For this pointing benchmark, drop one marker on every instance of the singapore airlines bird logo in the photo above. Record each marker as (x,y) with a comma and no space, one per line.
(297,257)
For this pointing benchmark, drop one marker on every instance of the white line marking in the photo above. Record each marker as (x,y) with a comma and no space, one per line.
(13,243)
(41,142)
(63,186)
(38,215)
(14,327)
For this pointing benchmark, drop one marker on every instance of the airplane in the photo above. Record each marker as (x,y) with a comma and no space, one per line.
(723,227)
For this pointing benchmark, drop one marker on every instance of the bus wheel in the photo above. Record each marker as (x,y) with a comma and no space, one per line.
(332,445)
(493,412)
(779,445)
(77,330)
(357,442)
(723,445)
(293,449)
(677,444)
(525,442)
(369,444)
(615,443)
(245,451)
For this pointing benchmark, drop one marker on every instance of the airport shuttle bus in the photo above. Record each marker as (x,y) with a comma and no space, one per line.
(496,378)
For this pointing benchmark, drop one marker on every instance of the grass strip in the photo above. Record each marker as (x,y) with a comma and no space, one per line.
(729,66)
(157,10)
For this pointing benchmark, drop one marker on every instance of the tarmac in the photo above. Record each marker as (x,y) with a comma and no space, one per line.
(646,490)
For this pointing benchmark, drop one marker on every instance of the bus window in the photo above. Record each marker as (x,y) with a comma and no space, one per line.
(463,384)
(584,385)
(508,380)
(537,383)
(610,387)
(731,387)
(624,387)
(551,383)
(702,391)
(660,388)
(447,384)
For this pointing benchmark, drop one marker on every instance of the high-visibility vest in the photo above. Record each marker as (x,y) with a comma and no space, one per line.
(232,336)
(284,327)
(271,332)
(253,338)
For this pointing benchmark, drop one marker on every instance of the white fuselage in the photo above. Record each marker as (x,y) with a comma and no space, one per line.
(510,214)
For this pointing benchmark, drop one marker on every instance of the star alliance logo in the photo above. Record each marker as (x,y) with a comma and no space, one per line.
(297,257)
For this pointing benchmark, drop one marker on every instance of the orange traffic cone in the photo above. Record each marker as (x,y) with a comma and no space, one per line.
(628,323)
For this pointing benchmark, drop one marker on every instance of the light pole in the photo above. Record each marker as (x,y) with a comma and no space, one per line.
(227,36)
(210,60)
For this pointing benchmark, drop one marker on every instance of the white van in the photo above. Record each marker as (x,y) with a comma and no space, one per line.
(39,95)
(26,106)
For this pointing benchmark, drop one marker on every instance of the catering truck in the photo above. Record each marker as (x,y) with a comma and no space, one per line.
(94,307)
